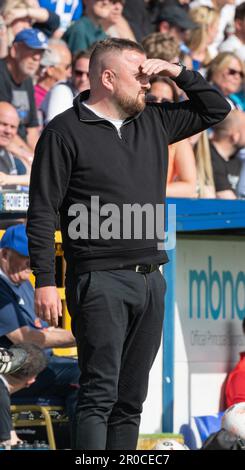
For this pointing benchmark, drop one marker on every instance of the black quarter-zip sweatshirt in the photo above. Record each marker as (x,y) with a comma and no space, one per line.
(80,155)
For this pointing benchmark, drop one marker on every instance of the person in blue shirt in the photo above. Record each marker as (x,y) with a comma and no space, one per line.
(18,324)
(68,10)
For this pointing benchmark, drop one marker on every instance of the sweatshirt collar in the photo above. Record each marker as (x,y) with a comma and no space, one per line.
(87,115)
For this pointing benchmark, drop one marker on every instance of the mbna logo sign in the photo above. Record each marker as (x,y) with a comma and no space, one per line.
(216,295)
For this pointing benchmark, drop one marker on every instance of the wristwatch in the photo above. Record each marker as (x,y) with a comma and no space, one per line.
(180,64)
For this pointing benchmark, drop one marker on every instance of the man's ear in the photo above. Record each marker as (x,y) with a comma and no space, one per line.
(30,381)
(108,79)
(235,137)
(12,51)
(4,253)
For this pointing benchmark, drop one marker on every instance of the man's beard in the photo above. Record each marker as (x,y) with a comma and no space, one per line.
(127,105)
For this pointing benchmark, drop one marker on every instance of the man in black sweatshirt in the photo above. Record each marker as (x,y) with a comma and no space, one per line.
(99,165)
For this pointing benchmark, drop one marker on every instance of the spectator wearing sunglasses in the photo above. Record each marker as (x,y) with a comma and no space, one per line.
(61,96)
(55,65)
(226,72)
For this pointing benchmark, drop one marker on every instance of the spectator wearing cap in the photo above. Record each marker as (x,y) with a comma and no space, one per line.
(55,65)
(18,323)
(16,87)
(31,361)
(174,21)
(85,32)
(12,169)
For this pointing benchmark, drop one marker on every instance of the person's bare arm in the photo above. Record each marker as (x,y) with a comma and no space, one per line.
(26,156)
(226,194)
(6,180)
(185,166)
(44,338)
(33,135)
(38,15)
(18,141)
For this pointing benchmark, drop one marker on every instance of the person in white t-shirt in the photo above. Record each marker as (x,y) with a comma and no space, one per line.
(236,42)
(61,95)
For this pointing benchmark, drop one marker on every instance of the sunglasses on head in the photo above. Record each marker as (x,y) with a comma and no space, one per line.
(235,72)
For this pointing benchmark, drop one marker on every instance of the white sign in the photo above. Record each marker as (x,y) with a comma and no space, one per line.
(15,202)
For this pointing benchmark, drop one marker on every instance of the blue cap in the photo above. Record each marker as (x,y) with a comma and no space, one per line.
(16,239)
(33,38)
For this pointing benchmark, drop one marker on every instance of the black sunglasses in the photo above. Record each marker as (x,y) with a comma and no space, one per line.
(236,72)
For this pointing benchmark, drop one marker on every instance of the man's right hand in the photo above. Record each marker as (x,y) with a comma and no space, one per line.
(48,305)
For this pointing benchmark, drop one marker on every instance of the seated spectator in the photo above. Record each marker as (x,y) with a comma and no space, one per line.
(181,177)
(161,46)
(115,25)
(200,38)
(14,167)
(226,72)
(55,65)
(85,32)
(21,14)
(68,11)
(175,22)
(165,47)
(18,323)
(228,138)
(16,87)
(162,89)
(235,384)
(33,363)
(226,9)
(60,96)
(236,42)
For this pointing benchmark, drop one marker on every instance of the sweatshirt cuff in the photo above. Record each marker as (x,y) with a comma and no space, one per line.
(44,280)
(183,77)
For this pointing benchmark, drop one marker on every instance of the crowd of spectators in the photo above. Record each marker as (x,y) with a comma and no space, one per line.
(44,57)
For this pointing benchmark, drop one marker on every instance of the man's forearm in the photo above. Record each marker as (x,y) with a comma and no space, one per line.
(52,338)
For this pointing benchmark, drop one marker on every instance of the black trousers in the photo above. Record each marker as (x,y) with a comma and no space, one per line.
(117,320)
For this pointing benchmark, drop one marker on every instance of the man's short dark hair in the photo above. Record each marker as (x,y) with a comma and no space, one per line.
(114,45)
(240,12)
(35,362)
